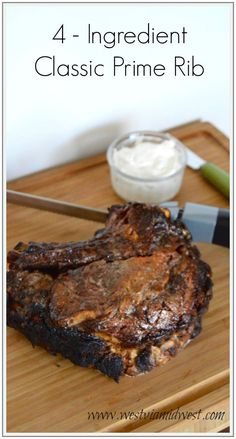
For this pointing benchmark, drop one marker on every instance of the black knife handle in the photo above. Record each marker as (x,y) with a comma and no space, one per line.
(207,223)
(221,232)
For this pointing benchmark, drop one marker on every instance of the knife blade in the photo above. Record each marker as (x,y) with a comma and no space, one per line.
(213,173)
(206,223)
(65,208)
(56,206)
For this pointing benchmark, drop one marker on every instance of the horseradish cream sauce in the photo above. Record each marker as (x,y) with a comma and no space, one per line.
(146,167)
(148,160)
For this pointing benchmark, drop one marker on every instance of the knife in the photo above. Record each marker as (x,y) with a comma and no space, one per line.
(214,174)
(206,223)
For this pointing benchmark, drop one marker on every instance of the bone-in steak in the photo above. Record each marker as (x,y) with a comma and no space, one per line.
(124,302)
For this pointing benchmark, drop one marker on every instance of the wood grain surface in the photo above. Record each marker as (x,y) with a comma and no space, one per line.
(48,393)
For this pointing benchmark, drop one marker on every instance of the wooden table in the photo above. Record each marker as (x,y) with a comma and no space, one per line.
(50,394)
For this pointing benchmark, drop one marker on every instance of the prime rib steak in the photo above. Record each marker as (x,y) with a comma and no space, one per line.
(123,302)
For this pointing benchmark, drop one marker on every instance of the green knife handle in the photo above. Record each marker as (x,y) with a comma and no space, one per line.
(217,177)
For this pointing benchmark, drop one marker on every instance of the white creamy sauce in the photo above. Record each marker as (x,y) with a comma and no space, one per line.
(147,171)
(147,159)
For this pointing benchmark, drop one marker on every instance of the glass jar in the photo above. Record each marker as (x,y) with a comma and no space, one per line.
(153,175)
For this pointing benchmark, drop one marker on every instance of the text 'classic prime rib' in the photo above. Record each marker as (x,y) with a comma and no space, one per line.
(123,302)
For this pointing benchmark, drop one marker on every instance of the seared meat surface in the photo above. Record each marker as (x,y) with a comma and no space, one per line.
(131,230)
(125,301)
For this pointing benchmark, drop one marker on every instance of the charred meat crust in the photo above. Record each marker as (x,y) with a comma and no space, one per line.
(90,351)
(82,349)
(131,230)
(124,302)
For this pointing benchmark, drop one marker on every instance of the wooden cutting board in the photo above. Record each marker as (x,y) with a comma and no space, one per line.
(50,394)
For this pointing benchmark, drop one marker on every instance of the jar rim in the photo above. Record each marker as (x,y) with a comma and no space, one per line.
(137,134)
